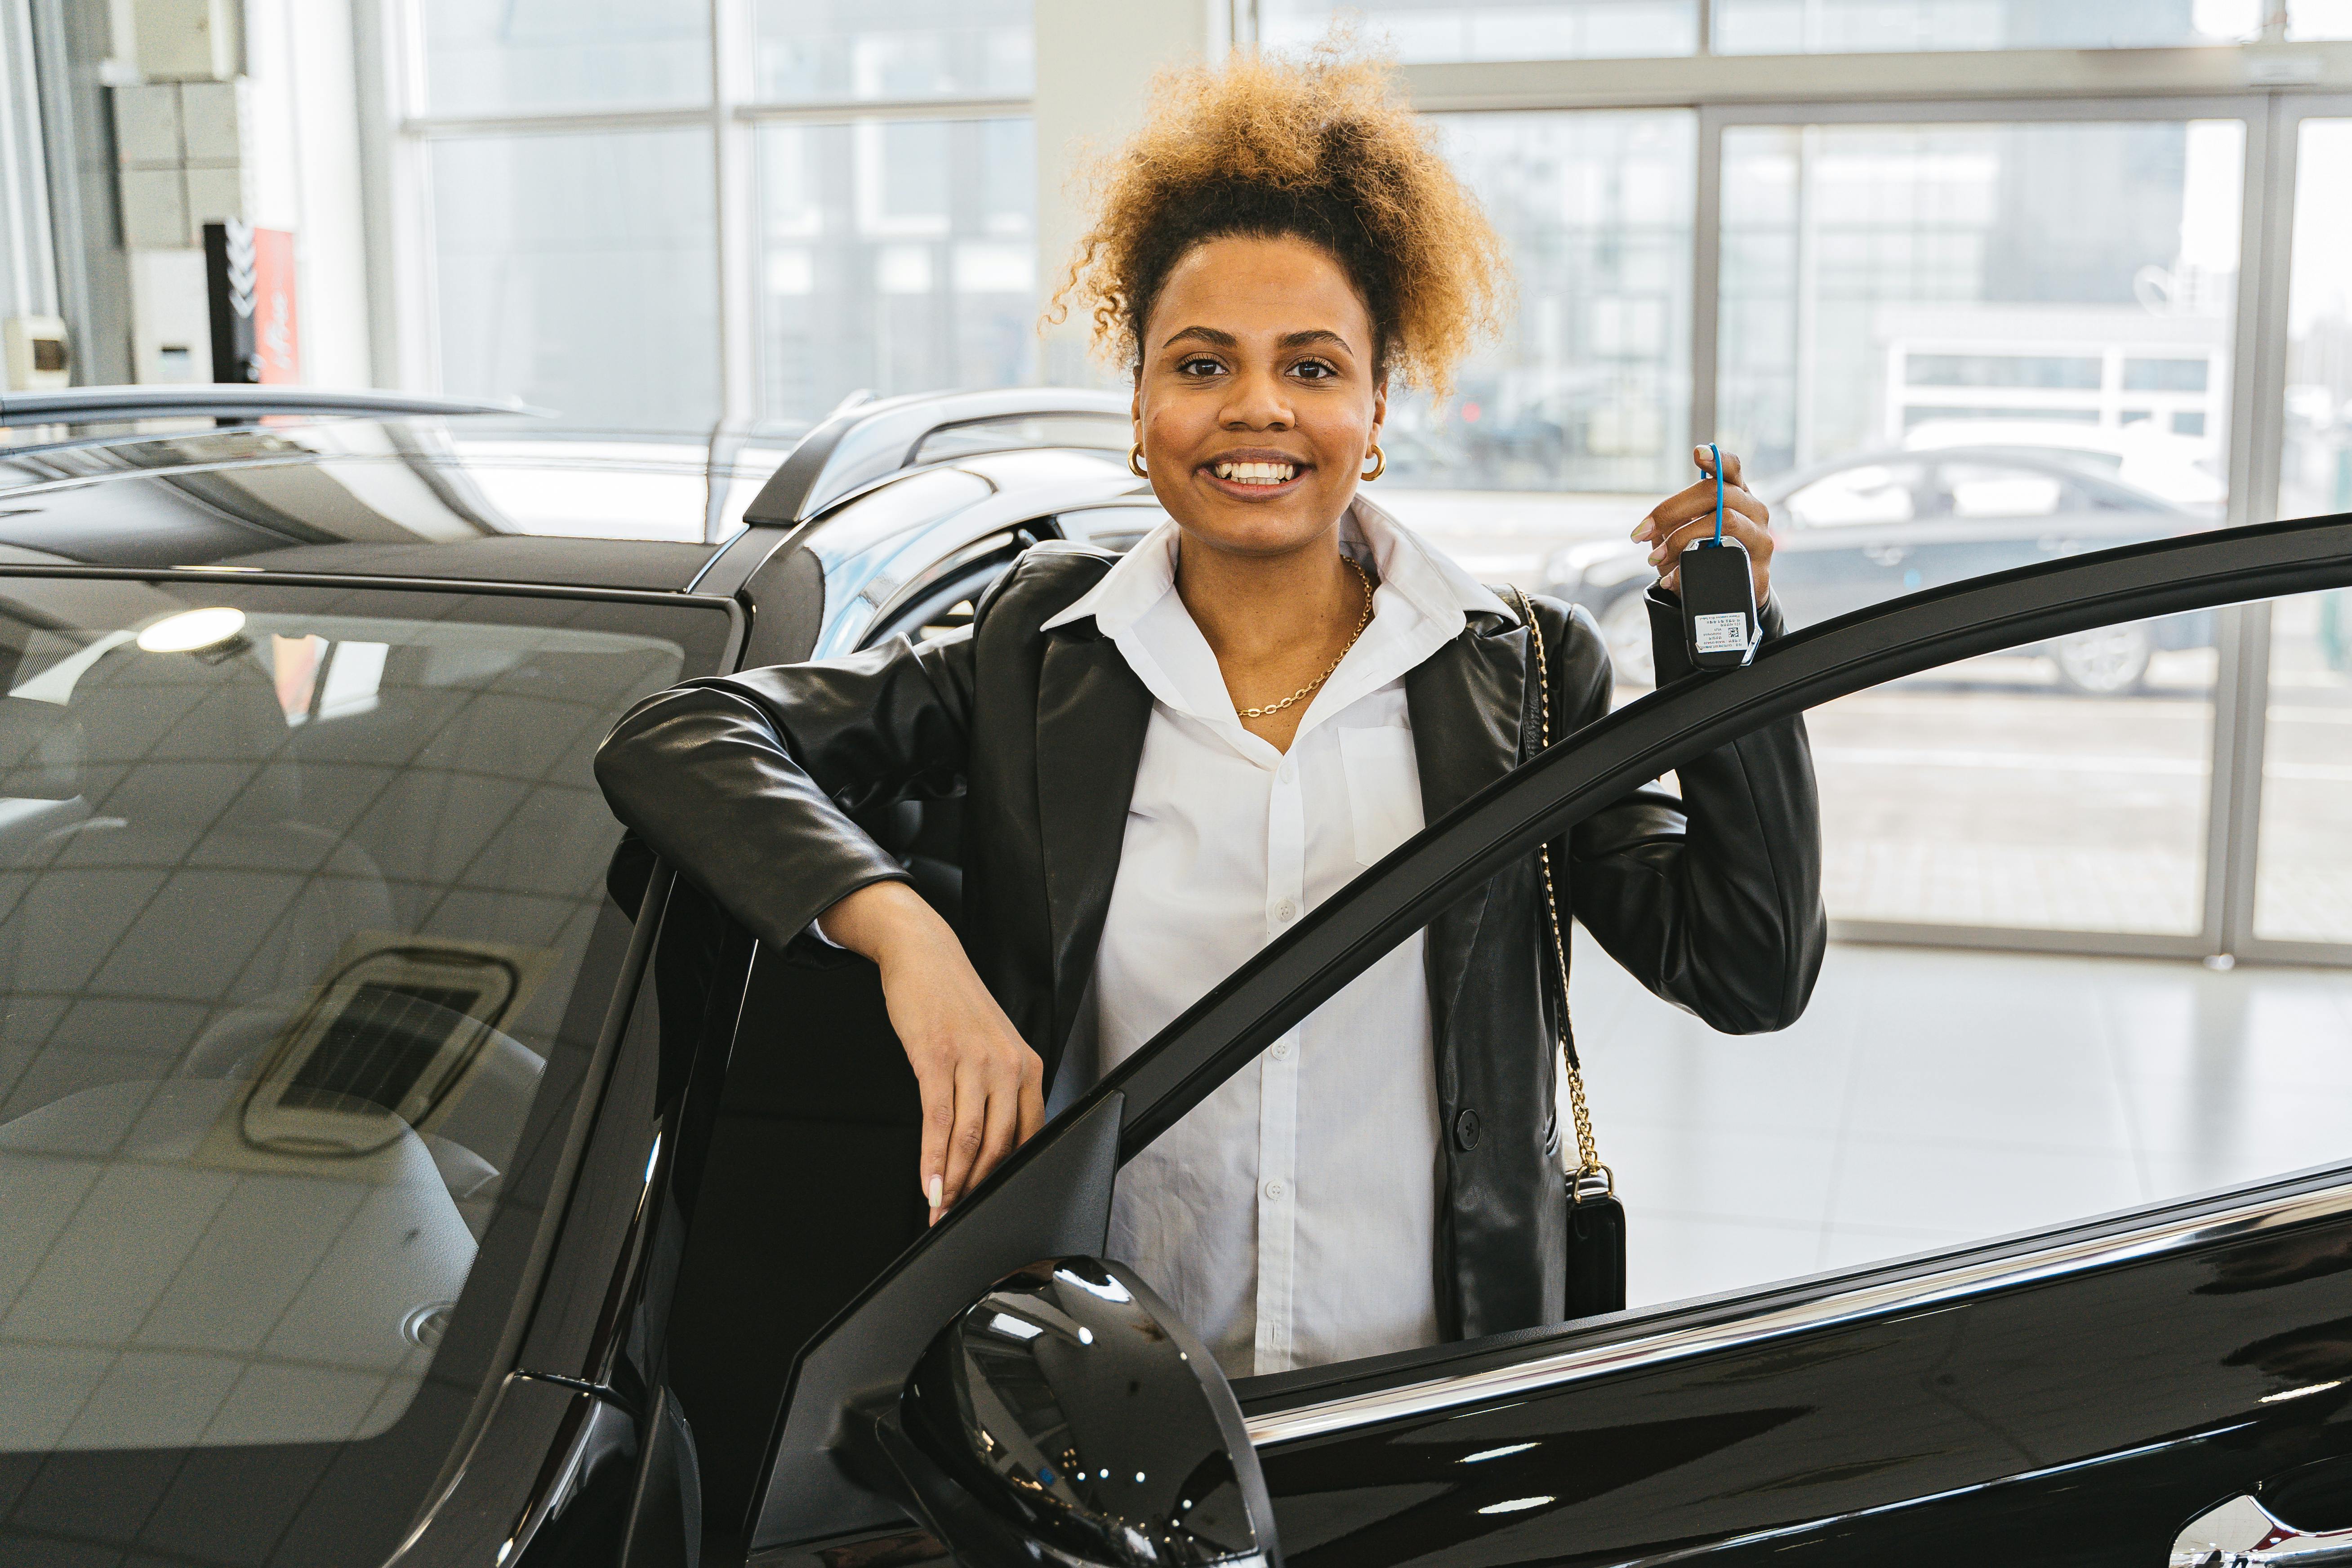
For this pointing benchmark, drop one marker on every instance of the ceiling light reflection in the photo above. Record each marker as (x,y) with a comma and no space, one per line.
(193,629)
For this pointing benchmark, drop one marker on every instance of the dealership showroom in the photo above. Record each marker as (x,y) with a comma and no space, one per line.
(401,1158)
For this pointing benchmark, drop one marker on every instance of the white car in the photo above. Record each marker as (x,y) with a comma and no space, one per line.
(2172,467)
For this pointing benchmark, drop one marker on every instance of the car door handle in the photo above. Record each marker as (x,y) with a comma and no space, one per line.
(2242,1534)
(1885,554)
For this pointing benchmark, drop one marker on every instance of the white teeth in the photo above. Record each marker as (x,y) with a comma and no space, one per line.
(1257,473)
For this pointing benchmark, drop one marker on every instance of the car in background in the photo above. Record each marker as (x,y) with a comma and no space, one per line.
(399,1166)
(2175,468)
(1860,530)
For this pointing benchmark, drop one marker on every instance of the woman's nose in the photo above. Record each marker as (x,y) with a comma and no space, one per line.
(1255,403)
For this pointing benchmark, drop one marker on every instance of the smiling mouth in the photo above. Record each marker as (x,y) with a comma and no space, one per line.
(1255,473)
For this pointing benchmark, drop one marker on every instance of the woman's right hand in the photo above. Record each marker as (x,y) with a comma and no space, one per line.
(983,1086)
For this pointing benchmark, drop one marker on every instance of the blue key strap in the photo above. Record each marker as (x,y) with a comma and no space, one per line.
(1717,453)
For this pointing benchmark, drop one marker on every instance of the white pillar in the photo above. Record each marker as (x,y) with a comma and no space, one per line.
(1095,60)
(331,244)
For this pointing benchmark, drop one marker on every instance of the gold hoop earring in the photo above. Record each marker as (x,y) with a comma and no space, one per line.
(1379,465)
(1135,462)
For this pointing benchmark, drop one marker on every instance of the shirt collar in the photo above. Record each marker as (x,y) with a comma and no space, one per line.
(1422,603)
(1419,574)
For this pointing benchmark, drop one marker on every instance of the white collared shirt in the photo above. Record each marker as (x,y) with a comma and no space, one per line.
(1291,1216)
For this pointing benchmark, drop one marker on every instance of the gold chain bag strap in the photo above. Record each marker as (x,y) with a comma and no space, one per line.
(1596,1220)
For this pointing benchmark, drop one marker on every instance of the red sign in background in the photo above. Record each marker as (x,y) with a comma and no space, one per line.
(276,333)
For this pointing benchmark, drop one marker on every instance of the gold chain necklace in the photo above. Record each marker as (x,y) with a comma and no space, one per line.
(1361,622)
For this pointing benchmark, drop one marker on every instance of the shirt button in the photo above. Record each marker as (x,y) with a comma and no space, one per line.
(1466,1128)
(1288,772)
(1283,910)
(1273,1191)
(1282,1051)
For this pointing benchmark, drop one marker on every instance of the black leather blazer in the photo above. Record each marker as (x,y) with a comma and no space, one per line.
(744,783)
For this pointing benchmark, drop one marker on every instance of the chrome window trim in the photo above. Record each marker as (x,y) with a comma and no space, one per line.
(1942,1287)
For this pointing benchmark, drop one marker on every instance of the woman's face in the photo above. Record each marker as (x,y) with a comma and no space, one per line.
(1256,401)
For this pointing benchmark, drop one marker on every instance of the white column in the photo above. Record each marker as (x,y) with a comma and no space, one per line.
(1095,62)
(331,235)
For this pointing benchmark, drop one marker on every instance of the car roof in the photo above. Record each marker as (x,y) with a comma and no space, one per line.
(414,488)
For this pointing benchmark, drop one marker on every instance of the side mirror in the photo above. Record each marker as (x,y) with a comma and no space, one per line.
(1069,1416)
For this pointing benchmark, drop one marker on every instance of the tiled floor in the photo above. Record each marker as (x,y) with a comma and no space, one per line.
(1933,1096)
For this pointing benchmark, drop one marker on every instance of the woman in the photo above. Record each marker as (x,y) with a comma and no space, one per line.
(1168,760)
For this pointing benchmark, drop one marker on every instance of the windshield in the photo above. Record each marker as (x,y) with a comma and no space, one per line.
(303,945)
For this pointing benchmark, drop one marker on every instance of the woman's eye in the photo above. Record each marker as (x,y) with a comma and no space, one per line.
(1200,365)
(1313,370)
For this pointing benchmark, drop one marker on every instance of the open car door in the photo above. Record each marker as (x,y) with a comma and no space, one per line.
(2164,1381)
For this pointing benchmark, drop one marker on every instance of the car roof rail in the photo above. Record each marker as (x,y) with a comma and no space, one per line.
(863,442)
(93,404)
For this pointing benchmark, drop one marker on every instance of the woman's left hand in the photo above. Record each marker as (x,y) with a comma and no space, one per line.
(1689,514)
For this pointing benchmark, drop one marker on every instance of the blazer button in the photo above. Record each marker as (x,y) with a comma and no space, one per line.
(1466,1128)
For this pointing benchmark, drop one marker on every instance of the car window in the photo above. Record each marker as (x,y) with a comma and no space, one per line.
(297,895)
(1867,494)
(1995,490)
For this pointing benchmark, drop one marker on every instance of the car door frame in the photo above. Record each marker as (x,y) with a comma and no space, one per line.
(1052,1198)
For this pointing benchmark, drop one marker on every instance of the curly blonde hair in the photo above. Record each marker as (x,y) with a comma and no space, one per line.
(1322,147)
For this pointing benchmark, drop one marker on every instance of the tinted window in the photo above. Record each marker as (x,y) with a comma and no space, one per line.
(302,946)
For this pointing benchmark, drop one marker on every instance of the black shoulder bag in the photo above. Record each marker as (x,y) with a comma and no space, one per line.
(1596,1220)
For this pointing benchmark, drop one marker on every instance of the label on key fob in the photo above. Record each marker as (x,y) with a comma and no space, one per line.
(1719,632)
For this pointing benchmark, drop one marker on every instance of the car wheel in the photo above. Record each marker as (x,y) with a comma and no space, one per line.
(2106,662)
(1625,628)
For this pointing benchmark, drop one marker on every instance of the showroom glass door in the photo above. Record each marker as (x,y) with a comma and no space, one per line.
(1953,340)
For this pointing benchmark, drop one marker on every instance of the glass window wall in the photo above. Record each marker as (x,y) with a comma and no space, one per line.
(1950,350)
(861,50)
(1879,27)
(2063,287)
(579,272)
(537,56)
(1579,411)
(897,256)
(2317,19)
(1429,31)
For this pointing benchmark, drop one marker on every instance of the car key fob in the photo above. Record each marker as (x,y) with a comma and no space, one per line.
(1718,594)
(1719,603)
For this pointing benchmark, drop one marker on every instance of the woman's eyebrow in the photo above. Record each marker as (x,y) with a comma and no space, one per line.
(1225,340)
(1206,334)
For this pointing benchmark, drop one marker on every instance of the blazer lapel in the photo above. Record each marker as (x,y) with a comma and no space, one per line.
(1466,702)
(1092,713)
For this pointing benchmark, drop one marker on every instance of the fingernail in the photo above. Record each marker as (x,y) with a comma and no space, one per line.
(1641,530)
(1656,556)
(938,1189)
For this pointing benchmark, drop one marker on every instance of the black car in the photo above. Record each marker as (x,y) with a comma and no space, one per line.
(1864,529)
(399,1166)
